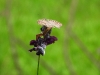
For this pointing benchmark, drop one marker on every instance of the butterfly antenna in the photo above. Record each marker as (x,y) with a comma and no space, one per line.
(38,64)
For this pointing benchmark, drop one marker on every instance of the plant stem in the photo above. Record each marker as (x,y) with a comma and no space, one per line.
(38,64)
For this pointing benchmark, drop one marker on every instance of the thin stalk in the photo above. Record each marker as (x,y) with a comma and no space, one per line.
(38,64)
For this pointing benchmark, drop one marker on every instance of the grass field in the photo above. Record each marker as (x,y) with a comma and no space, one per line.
(77,51)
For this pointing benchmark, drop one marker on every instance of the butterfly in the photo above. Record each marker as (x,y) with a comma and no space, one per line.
(49,23)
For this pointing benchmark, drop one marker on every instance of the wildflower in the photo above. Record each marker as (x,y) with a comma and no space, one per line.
(41,42)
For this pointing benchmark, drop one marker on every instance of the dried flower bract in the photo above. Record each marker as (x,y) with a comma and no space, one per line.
(49,23)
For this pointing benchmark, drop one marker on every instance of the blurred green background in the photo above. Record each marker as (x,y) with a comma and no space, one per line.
(77,51)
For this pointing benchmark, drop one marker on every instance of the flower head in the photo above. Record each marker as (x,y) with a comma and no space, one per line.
(41,42)
(33,42)
(50,40)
